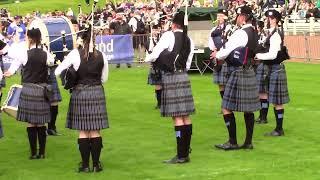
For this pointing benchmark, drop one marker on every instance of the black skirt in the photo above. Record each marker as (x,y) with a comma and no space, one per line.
(33,107)
(87,108)
(52,80)
(176,97)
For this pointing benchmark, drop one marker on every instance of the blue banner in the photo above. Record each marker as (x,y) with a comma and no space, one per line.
(117,48)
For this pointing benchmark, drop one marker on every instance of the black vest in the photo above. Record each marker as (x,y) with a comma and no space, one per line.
(178,57)
(217,36)
(36,69)
(90,71)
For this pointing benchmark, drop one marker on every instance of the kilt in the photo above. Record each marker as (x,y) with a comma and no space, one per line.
(221,77)
(241,91)
(1,131)
(176,97)
(272,79)
(87,108)
(52,80)
(3,81)
(154,77)
(33,107)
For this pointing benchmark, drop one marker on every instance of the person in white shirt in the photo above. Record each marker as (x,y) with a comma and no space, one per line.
(272,76)
(173,55)
(34,106)
(87,111)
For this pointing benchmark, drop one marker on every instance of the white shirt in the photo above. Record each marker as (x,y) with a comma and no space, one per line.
(133,23)
(19,53)
(73,58)
(238,39)
(275,46)
(167,41)
(211,44)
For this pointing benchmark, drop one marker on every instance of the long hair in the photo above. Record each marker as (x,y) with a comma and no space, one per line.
(34,36)
(86,38)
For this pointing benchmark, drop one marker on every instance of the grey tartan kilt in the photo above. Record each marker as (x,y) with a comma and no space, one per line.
(3,81)
(1,131)
(241,91)
(56,96)
(222,76)
(152,80)
(33,107)
(87,108)
(176,97)
(272,79)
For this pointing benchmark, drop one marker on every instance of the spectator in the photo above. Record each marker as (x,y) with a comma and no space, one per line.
(17,29)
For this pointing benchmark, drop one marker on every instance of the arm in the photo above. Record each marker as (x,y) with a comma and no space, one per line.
(190,55)
(275,43)
(18,52)
(67,62)
(234,42)
(210,42)
(105,70)
(163,44)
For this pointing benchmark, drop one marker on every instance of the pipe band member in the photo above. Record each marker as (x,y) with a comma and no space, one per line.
(33,108)
(272,76)
(241,90)
(173,55)
(87,111)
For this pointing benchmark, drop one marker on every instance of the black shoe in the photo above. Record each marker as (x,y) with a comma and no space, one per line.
(118,66)
(129,65)
(83,169)
(157,107)
(261,121)
(246,146)
(41,156)
(275,133)
(52,132)
(227,146)
(176,160)
(97,168)
(32,157)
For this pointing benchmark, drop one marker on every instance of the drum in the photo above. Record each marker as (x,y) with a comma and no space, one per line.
(10,106)
(51,29)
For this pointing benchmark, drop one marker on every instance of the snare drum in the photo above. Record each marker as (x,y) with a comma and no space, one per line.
(10,106)
(51,29)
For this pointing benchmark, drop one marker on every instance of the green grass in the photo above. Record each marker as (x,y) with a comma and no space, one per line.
(139,139)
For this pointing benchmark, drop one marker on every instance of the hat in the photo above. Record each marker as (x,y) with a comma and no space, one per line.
(34,33)
(223,11)
(246,10)
(179,18)
(273,13)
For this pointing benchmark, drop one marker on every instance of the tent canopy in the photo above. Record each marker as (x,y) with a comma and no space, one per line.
(201,14)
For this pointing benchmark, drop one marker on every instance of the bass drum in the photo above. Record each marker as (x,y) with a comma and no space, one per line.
(51,29)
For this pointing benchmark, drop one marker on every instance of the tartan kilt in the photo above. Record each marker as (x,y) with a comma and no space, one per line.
(3,81)
(272,79)
(154,77)
(52,80)
(87,108)
(1,131)
(241,91)
(176,97)
(222,77)
(33,107)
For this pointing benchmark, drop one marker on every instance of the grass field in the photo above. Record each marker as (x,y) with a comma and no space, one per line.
(139,139)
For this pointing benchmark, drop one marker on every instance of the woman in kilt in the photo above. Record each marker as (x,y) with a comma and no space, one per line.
(241,90)
(216,41)
(272,76)
(173,55)
(87,108)
(33,108)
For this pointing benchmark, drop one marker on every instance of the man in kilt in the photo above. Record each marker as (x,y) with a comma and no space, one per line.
(241,90)
(34,107)
(173,55)
(272,76)
(87,111)
(216,41)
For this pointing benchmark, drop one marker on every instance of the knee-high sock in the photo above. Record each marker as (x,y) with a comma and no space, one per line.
(96,146)
(249,119)
(54,113)
(42,137)
(158,96)
(230,122)
(279,117)
(264,109)
(221,94)
(187,134)
(32,135)
(84,148)
(180,143)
